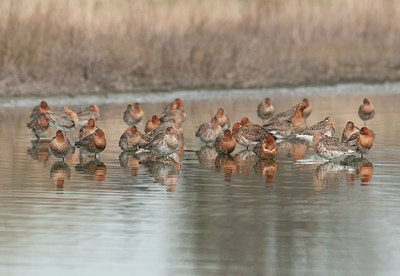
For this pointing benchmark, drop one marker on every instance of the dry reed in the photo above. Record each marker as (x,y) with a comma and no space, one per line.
(50,47)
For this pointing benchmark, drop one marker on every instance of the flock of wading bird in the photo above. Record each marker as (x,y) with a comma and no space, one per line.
(162,134)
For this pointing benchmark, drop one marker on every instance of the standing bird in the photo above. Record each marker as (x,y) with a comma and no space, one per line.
(93,143)
(265,110)
(222,119)
(361,141)
(40,109)
(178,114)
(133,114)
(60,145)
(288,114)
(225,144)
(209,131)
(349,130)
(152,124)
(92,111)
(38,124)
(66,121)
(266,149)
(366,111)
(283,129)
(87,129)
(130,139)
(248,135)
(164,142)
(330,147)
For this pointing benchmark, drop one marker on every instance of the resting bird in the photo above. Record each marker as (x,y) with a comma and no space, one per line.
(39,124)
(93,143)
(265,110)
(330,147)
(366,111)
(361,141)
(92,111)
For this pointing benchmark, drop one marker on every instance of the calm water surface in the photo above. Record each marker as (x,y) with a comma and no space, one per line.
(202,214)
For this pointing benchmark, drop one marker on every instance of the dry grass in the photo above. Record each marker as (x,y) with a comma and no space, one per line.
(48,47)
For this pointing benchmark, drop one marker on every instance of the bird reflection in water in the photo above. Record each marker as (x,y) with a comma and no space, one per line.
(267,168)
(165,170)
(227,165)
(91,166)
(59,172)
(130,160)
(39,150)
(206,156)
(294,148)
(350,168)
(245,160)
(363,168)
(328,174)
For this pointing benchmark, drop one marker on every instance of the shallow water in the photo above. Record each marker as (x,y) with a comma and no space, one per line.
(203,214)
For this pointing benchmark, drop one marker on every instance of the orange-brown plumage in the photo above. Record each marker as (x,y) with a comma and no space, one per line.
(133,114)
(93,143)
(60,145)
(366,111)
(225,144)
(40,109)
(349,130)
(87,129)
(266,149)
(152,124)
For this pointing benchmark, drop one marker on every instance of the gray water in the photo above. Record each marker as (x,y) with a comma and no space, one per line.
(202,214)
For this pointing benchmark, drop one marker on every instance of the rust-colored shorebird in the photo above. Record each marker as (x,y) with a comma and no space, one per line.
(366,111)
(265,110)
(66,121)
(222,119)
(60,146)
(248,134)
(349,130)
(326,127)
(283,129)
(130,139)
(87,129)
(225,144)
(39,124)
(287,115)
(164,142)
(92,111)
(362,141)
(330,147)
(40,109)
(133,114)
(93,143)
(209,131)
(266,149)
(152,124)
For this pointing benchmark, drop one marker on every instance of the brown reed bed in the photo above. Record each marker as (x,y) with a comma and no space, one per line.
(50,47)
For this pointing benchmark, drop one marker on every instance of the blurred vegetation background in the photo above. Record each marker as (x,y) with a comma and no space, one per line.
(76,46)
